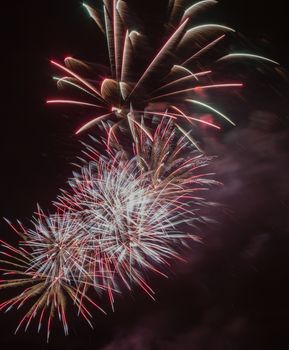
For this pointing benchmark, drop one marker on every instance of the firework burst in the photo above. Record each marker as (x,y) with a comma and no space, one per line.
(136,213)
(129,210)
(51,264)
(174,76)
(120,220)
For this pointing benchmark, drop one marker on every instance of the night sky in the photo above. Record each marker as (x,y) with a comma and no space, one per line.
(233,292)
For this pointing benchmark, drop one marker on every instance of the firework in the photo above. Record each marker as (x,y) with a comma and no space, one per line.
(139,212)
(174,76)
(129,210)
(131,228)
(51,264)
(121,219)
(171,159)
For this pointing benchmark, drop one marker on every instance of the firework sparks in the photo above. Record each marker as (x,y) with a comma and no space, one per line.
(162,80)
(132,229)
(127,213)
(136,210)
(120,220)
(51,265)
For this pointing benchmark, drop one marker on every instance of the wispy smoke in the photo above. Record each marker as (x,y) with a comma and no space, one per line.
(231,293)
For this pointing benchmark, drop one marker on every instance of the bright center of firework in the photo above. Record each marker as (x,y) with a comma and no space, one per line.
(117,110)
(125,218)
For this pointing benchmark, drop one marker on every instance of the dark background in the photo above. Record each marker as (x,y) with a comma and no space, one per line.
(233,293)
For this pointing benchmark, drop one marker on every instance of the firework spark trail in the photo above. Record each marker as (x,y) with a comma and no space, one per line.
(124,202)
(125,217)
(121,93)
(119,221)
(51,265)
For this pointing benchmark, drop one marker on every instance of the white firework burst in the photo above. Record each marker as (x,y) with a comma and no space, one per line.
(133,226)
(52,265)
